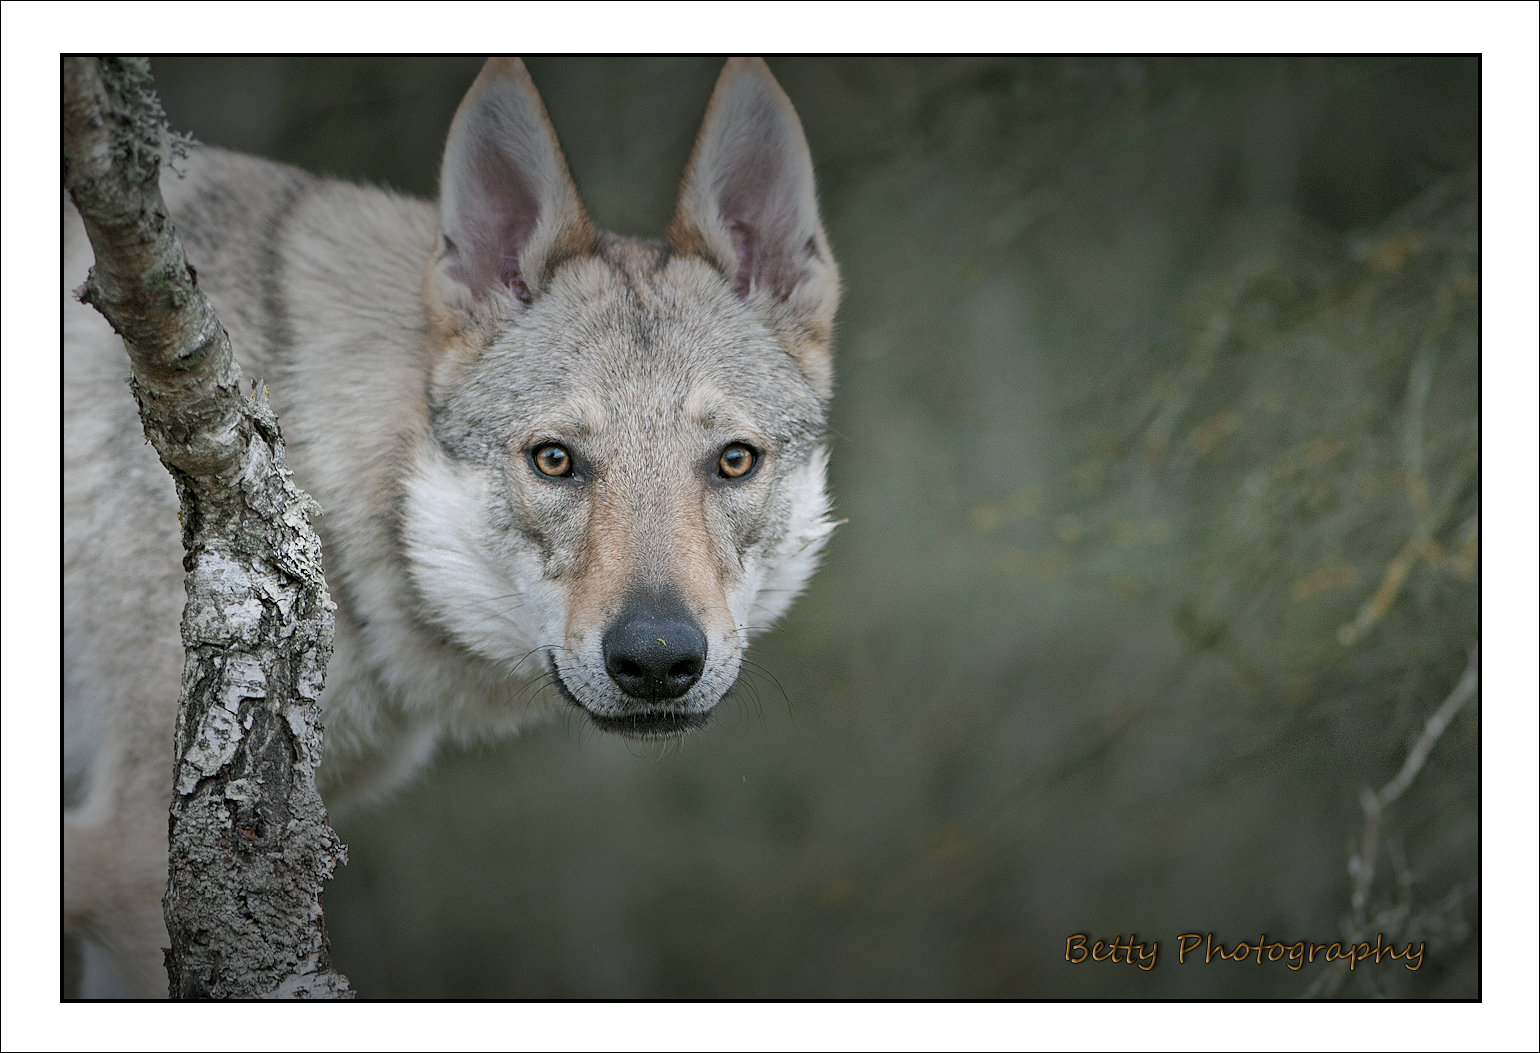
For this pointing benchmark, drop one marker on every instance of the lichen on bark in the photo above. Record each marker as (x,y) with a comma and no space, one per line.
(250,843)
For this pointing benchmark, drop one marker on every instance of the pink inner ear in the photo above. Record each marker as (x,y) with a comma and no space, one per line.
(511,277)
(765,261)
(497,213)
(762,234)
(743,248)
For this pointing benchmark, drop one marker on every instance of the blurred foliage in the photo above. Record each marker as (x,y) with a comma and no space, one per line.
(1156,432)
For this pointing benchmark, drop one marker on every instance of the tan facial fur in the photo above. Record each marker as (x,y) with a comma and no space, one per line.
(642,361)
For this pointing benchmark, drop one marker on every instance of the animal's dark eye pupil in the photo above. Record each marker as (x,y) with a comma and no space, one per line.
(553,460)
(736,461)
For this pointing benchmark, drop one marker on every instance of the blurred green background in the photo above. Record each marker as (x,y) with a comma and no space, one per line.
(1156,431)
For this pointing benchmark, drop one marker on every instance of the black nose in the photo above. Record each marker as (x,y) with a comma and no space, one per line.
(654,650)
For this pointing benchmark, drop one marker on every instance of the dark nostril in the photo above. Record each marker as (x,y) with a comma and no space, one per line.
(689,667)
(654,651)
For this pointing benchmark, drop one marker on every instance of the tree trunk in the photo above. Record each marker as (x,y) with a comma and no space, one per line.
(250,841)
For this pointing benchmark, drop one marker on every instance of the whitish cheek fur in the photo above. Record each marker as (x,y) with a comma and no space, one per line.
(773,580)
(493,603)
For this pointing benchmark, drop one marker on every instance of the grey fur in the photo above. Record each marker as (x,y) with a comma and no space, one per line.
(411,388)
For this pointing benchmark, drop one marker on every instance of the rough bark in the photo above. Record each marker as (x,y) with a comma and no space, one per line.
(250,842)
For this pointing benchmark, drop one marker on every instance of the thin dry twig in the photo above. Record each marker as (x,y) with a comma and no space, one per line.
(1362,864)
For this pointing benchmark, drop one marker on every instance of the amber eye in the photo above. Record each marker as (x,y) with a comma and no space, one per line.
(736,461)
(553,459)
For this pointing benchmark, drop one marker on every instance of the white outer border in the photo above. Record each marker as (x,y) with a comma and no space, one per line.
(35,34)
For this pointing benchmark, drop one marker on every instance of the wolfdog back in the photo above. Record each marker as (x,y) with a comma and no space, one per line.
(559,468)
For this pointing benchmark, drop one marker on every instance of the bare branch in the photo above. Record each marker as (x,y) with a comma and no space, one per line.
(1463,692)
(1361,866)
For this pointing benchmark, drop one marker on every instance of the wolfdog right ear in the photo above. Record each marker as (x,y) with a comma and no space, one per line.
(509,210)
(747,205)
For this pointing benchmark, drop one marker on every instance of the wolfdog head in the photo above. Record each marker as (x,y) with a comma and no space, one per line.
(625,473)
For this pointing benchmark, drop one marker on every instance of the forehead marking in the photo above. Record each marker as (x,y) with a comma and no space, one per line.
(579,412)
(705,403)
(708,406)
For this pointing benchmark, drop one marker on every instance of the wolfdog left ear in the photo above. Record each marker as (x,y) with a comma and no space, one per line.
(747,205)
(509,210)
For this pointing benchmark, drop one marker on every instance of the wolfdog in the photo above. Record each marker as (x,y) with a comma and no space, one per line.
(558,467)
